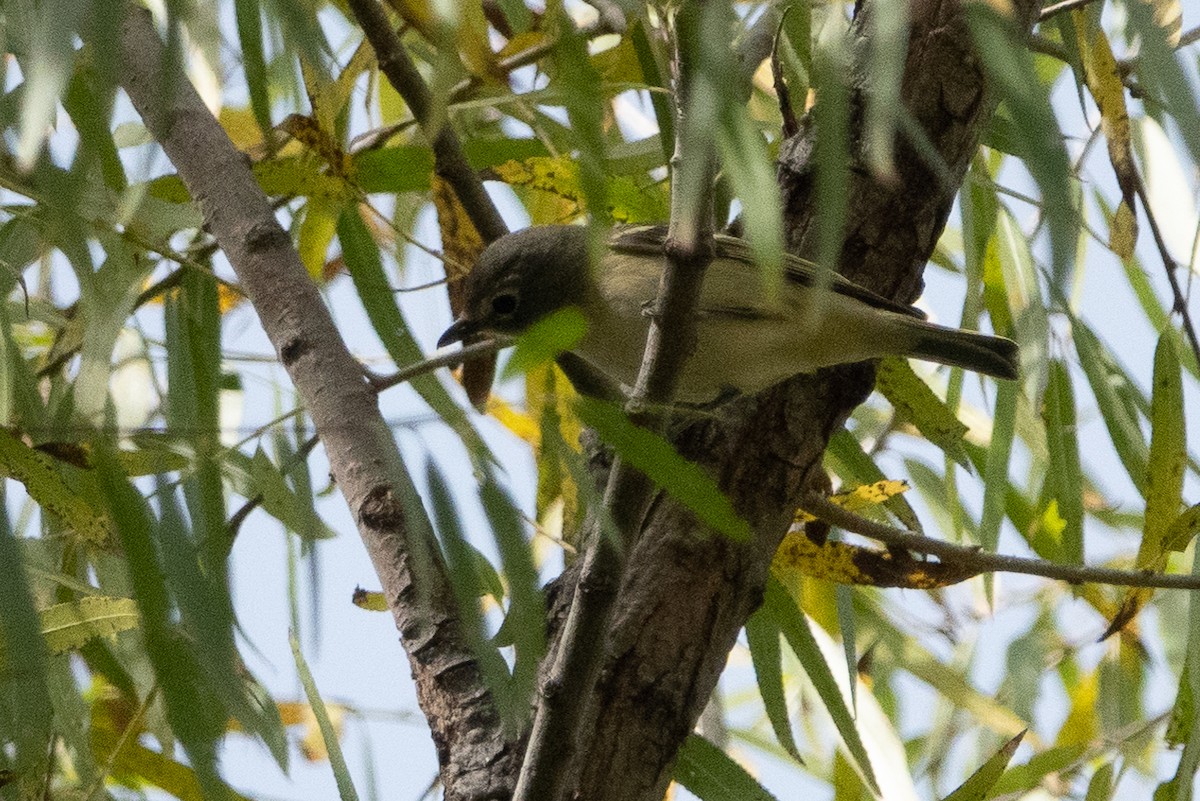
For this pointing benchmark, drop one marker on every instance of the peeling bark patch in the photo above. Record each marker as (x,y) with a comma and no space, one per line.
(266,235)
(292,350)
(380,510)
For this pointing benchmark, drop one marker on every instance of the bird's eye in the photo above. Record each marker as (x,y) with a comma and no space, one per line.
(504,305)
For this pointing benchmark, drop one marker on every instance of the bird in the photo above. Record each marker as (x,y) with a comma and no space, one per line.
(749,335)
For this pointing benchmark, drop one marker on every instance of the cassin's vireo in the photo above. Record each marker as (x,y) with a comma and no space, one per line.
(747,337)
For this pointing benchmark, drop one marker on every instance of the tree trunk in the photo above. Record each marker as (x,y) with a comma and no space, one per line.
(687,593)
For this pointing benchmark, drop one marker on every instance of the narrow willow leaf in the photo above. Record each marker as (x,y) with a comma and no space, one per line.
(153,767)
(333,748)
(24,655)
(649,61)
(832,157)
(995,474)
(1168,454)
(1021,779)
(762,634)
(1010,66)
(468,588)
(1159,66)
(196,718)
(794,624)
(1100,787)
(980,784)
(712,775)
(249,28)
(586,108)
(193,324)
(67,626)
(366,269)
(916,403)
(196,580)
(887,24)
(1065,474)
(649,453)
(1107,380)
(526,619)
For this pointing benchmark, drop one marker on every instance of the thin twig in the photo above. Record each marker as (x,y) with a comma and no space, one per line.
(472,351)
(449,160)
(986,562)
(1058,8)
(1170,267)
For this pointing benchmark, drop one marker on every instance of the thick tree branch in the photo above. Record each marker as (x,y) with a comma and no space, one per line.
(361,450)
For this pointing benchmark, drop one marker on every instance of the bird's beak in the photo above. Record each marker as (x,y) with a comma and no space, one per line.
(457,332)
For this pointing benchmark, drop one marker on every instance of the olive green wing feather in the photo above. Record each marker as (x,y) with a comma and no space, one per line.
(650,240)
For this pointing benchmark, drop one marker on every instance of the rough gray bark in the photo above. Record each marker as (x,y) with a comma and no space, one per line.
(475,757)
(686,594)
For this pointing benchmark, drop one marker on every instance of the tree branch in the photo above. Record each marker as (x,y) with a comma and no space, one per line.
(363,456)
(449,160)
(977,561)
(1170,267)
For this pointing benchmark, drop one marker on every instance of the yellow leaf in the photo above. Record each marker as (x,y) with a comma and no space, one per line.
(559,176)
(242,127)
(369,600)
(1123,235)
(312,745)
(1082,724)
(861,497)
(1103,77)
(854,564)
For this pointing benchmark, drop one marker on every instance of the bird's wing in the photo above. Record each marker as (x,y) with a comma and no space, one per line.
(650,240)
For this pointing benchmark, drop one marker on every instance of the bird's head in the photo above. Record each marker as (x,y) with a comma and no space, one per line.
(520,278)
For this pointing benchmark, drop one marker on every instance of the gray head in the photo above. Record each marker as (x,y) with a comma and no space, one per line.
(522,277)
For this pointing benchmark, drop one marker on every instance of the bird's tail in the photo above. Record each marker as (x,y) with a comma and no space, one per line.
(994,356)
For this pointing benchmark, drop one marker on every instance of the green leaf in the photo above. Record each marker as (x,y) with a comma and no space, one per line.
(196,718)
(762,634)
(249,28)
(337,760)
(712,775)
(525,623)
(47,486)
(995,474)
(916,403)
(1010,68)
(1168,453)
(652,455)
(545,340)
(979,785)
(26,697)
(1112,389)
(1065,475)
(67,626)
(1025,778)
(193,327)
(792,621)
(468,589)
